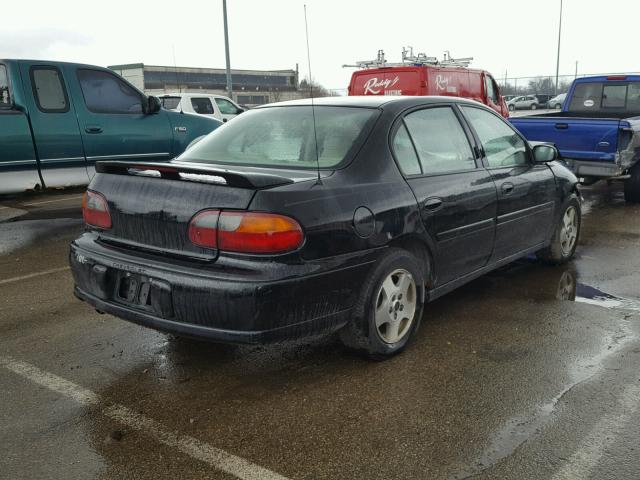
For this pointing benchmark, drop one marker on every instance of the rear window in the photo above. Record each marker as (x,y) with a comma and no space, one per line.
(5,100)
(284,137)
(169,103)
(616,97)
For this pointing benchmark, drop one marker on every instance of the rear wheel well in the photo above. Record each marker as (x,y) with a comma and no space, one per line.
(421,251)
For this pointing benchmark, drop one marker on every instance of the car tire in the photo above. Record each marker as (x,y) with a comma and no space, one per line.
(565,236)
(534,106)
(557,106)
(512,108)
(632,186)
(390,307)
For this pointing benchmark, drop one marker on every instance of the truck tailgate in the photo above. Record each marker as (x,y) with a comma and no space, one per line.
(594,139)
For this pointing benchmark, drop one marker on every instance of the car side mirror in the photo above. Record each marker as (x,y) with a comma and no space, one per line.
(545,153)
(153,105)
(239,110)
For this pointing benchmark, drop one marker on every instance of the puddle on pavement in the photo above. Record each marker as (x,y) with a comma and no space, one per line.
(517,430)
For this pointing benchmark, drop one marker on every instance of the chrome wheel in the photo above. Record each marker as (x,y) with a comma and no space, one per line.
(569,230)
(395,306)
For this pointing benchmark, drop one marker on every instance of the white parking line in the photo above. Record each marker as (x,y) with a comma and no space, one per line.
(224,461)
(32,275)
(604,434)
(33,204)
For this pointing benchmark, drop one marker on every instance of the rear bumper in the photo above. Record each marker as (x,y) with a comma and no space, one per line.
(223,302)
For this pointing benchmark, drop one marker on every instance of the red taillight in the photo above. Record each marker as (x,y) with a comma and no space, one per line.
(203,229)
(617,77)
(95,210)
(245,232)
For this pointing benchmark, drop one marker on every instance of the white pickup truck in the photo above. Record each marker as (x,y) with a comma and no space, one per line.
(214,106)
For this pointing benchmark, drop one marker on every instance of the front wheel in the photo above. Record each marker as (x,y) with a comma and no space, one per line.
(565,236)
(512,108)
(534,106)
(632,186)
(390,307)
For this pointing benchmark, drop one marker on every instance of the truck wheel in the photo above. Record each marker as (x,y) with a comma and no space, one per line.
(632,186)
(390,306)
(565,236)
(534,106)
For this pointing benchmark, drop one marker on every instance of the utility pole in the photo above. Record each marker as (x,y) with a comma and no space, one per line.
(558,59)
(226,49)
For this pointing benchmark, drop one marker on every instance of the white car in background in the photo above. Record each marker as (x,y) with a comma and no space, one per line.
(215,106)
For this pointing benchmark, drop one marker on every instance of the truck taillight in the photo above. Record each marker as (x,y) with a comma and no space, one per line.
(95,210)
(245,232)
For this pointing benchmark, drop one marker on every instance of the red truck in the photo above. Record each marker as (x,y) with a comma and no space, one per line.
(422,75)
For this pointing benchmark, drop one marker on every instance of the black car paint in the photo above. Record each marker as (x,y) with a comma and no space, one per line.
(253,298)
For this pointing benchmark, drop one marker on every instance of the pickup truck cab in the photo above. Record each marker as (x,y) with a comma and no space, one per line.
(597,131)
(57,119)
(214,106)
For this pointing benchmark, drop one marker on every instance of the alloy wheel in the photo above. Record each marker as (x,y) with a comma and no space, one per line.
(395,307)
(569,230)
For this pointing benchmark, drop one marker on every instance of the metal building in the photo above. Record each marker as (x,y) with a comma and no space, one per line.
(250,87)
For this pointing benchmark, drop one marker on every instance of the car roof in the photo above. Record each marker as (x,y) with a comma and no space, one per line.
(190,94)
(371,101)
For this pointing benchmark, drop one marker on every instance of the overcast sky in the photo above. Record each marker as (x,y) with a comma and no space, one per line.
(516,36)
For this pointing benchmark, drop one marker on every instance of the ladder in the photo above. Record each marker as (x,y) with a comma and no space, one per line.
(409,59)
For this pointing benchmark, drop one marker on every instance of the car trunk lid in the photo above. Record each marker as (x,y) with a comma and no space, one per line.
(151,204)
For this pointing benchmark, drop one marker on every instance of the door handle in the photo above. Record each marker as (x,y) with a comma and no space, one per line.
(507,188)
(562,126)
(432,203)
(93,129)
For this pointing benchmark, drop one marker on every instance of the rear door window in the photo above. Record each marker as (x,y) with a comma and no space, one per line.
(202,105)
(49,90)
(405,152)
(106,93)
(440,140)
(5,99)
(503,147)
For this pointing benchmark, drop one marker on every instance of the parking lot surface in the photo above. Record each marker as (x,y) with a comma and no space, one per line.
(529,372)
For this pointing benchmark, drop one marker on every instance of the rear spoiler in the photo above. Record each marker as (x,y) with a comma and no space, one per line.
(192,173)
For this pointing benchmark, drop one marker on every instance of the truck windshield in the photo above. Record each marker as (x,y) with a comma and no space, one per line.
(169,103)
(284,137)
(614,97)
(5,101)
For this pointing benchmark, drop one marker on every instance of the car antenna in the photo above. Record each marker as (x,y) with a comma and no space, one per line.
(313,110)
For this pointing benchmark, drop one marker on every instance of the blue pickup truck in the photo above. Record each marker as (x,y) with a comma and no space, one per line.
(597,131)
(57,119)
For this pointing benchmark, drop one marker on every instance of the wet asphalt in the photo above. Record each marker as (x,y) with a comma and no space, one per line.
(530,372)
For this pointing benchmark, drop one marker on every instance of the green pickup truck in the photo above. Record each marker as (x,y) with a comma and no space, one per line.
(57,119)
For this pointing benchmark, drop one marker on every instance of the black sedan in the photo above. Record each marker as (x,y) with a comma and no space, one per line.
(296,219)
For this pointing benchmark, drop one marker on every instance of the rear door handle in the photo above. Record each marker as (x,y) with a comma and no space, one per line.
(93,129)
(507,188)
(562,126)
(432,203)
